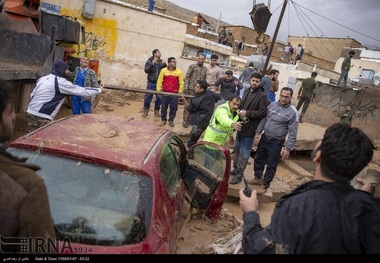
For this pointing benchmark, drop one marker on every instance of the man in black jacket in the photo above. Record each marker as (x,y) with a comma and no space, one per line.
(326,215)
(228,86)
(201,108)
(253,108)
(153,67)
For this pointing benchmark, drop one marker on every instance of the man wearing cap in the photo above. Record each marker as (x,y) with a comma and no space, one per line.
(49,95)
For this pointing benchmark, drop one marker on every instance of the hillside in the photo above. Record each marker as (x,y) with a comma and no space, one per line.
(176,11)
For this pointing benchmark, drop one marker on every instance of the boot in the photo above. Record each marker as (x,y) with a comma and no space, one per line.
(145,112)
(157,113)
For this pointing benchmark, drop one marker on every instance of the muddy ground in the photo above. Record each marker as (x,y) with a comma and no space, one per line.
(199,235)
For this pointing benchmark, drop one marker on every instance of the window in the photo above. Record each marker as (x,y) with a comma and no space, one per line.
(94,204)
(172,158)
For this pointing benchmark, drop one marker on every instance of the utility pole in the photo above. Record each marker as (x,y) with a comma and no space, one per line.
(217,25)
(274,36)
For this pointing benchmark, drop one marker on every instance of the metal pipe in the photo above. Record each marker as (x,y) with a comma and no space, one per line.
(148,91)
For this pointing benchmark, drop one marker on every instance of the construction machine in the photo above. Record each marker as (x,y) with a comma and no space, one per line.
(32,35)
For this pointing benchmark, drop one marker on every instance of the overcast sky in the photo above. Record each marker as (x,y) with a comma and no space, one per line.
(329,18)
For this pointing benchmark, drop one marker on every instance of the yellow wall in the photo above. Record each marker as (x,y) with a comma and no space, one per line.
(126,36)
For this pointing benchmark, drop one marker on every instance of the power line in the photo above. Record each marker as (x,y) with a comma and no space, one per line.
(340,24)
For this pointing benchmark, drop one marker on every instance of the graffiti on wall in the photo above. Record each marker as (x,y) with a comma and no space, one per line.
(95,45)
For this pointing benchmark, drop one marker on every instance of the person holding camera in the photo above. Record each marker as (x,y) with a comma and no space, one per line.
(224,121)
(252,109)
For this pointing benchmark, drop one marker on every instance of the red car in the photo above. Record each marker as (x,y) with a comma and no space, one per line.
(118,185)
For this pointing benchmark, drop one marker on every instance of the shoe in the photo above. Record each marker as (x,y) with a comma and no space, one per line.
(145,113)
(157,113)
(261,191)
(185,125)
(171,124)
(162,123)
(232,172)
(235,180)
(255,181)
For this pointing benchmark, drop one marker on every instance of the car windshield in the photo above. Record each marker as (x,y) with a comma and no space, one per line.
(94,204)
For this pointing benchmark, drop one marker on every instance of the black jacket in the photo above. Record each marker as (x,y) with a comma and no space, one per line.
(255,102)
(153,70)
(317,218)
(202,107)
(228,88)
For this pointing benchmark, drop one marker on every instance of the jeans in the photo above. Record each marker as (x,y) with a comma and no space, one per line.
(267,153)
(343,76)
(242,152)
(148,97)
(172,103)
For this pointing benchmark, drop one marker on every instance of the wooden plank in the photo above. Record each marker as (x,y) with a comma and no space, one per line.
(148,91)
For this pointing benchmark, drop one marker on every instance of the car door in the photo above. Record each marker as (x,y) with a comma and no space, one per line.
(206,177)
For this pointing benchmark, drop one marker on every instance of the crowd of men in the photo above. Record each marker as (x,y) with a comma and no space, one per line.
(325,215)
(245,108)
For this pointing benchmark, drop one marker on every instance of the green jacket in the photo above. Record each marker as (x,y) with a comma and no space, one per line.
(346,64)
(220,128)
(308,87)
(346,117)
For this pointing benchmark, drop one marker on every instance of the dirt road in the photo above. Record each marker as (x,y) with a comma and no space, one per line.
(197,235)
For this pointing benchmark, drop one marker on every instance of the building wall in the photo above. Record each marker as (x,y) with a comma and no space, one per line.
(126,36)
(357,66)
(329,100)
(324,48)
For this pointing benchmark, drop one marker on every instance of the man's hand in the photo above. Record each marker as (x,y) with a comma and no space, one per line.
(243,113)
(185,101)
(365,186)
(285,153)
(248,204)
(256,139)
(236,82)
(102,89)
(237,125)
